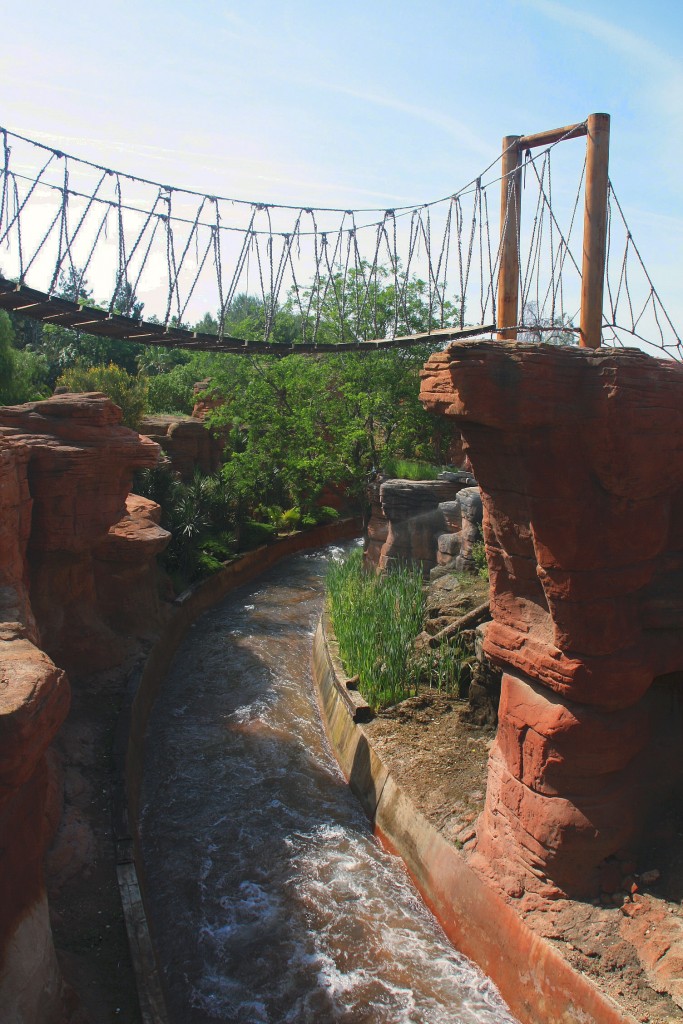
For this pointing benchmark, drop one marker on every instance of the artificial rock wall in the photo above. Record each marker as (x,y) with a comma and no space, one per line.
(579,457)
(422,522)
(71,542)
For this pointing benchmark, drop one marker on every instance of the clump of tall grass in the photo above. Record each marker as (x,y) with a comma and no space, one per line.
(409,469)
(375,619)
(447,668)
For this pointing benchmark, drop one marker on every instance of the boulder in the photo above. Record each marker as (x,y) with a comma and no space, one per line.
(463,518)
(126,573)
(407,518)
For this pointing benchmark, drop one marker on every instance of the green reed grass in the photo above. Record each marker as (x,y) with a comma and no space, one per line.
(375,619)
(409,469)
(446,668)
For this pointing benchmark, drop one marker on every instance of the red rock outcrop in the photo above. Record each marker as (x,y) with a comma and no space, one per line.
(187,441)
(34,700)
(80,463)
(579,456)
(205,400)
(65,471)
(126,574)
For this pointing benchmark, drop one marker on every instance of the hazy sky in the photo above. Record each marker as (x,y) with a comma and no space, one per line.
(356,104)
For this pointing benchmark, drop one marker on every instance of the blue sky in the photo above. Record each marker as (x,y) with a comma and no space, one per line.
(357,104)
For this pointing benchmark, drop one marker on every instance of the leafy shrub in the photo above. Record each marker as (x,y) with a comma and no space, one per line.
(221,547)
(253,534)
(376,619)
(479,556)
(22,373)
(200,516)
(290,520)
(125,390)
(172,392)
(208,564)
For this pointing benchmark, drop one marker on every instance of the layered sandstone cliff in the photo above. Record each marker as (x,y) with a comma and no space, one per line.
(579,456)
(66,466)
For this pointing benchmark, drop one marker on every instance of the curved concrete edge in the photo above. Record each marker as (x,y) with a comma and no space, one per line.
(143,690)
(539,986)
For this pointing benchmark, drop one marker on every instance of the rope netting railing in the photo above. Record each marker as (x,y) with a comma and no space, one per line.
(72,231)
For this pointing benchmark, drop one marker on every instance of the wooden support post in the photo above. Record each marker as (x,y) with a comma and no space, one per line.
(594,230)
(508,279)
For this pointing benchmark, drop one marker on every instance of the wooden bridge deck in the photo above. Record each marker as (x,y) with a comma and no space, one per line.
(50,309)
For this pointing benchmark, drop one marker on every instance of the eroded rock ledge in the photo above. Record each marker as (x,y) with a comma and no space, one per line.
(579,456)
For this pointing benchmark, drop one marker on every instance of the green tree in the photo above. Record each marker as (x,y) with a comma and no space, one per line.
(22,373)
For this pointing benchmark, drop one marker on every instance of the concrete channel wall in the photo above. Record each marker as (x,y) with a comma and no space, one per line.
(129,747)
(538,985)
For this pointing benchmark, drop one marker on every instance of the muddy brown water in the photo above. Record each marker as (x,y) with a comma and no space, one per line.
(270,900)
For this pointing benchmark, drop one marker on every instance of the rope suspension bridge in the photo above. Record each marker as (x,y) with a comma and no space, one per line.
(503,254)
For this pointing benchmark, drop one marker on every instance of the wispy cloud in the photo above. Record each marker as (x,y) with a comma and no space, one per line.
(450,125)
(647,55)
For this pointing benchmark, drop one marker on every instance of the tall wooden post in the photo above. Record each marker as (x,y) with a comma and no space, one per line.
(510,198)
(594,230)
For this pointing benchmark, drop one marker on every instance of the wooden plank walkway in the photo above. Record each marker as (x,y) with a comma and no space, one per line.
(49,309)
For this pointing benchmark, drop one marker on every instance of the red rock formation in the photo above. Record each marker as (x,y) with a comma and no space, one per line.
(126,574)
(188,443)
(34,699)
(580,461)
(79,472)
(205,400)
(65,470)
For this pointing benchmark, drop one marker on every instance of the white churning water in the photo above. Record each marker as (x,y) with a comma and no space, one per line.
(270,900)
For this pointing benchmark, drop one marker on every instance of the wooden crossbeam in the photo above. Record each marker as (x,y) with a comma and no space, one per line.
(63,313)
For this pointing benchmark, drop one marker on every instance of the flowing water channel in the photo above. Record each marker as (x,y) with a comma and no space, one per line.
(270,899)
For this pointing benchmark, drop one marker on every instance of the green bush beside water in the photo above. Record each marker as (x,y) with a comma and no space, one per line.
(375,619)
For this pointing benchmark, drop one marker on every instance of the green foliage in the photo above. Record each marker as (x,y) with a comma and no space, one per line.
(446,668)
(289,520)
(22,373)
(253,534)
(126,391)
(479,556)
(408,469)
(171,392)
(317,516)
(376,619)
(200,517)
